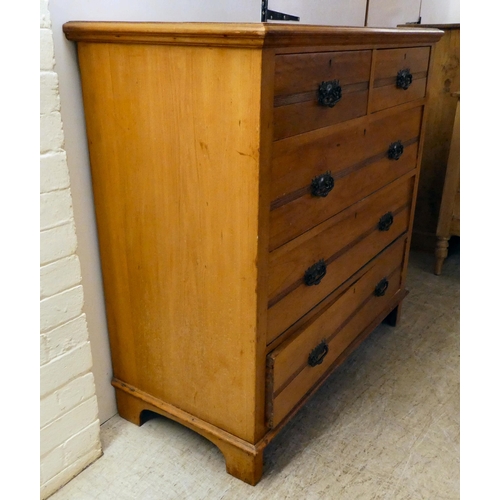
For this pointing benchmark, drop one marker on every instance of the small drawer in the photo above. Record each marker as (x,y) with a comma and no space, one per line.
(358,160)
(299,363)
(306,270)
(315,90)
(400,76)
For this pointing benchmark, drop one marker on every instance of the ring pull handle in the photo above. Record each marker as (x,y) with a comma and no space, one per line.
(404,79)
(395,150)
(329,93)
(315,273)
(381,288)
(385,222)
(322,185)
(317,355)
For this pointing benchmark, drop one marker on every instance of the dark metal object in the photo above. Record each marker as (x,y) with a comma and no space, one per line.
(329,93)
(385,222)
(395,150)
(318,354)
(381,288)
(271,15)
(404,79)
(322,185)
(315,273)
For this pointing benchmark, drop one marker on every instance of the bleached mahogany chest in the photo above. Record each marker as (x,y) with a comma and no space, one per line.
(254,190)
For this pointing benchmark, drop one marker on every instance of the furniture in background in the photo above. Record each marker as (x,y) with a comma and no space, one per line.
(449,213)
(254,187)
(438,133)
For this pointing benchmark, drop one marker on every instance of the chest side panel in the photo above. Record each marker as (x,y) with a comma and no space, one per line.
(174,144)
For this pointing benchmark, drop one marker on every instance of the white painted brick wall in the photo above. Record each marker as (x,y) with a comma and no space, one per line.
(70,452)
(59,275)
(63,399)
(44,14)
(57,242)
(58,372)
(69,426)
(71,470)
(55,208)
(51,133)
(60,308)
(53,171)
(49,94)
(46,50)
(63,339)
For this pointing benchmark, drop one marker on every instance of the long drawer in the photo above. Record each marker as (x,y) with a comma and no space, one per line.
(357,159)
(318,89)
(310,267)
(295,367)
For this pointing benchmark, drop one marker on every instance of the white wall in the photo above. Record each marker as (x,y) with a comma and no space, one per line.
(321,12)
(391,13)
(440,11)
(69,427)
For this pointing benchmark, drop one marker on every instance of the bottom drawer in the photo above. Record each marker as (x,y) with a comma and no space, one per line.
(300,362)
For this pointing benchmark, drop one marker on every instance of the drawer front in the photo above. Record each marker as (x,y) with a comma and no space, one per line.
(309,268)
(400,76)
(303,102)
(357,159)
(299,363)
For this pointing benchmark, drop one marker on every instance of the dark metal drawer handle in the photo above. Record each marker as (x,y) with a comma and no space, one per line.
(395,150)
(385,222)
(329,93)
(404,79)
(322,184)
(318,354)
(315,273)
(381,288)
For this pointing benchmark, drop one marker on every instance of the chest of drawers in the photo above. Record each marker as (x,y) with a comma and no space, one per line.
(254,188)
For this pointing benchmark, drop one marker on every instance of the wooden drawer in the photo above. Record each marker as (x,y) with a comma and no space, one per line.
(344,244)
(290,375)
(357,158)
(297,81)
(388,64)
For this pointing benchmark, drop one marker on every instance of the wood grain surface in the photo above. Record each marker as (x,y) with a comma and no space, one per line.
(439,129)
(245,34)
(180,276)
(291,377)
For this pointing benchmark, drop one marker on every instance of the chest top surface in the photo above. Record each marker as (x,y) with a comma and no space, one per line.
(244,34)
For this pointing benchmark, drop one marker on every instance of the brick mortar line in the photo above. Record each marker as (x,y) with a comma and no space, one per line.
(57,260)
(57,358)
(87,456)
(53,191)
(62,324)
(64,223)
(65,413)
(52,327)
(72,436)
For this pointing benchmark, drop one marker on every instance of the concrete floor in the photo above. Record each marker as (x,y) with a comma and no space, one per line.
(384,426)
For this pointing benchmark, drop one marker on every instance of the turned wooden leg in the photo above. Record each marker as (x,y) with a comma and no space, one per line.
(441,254)
(242,464)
